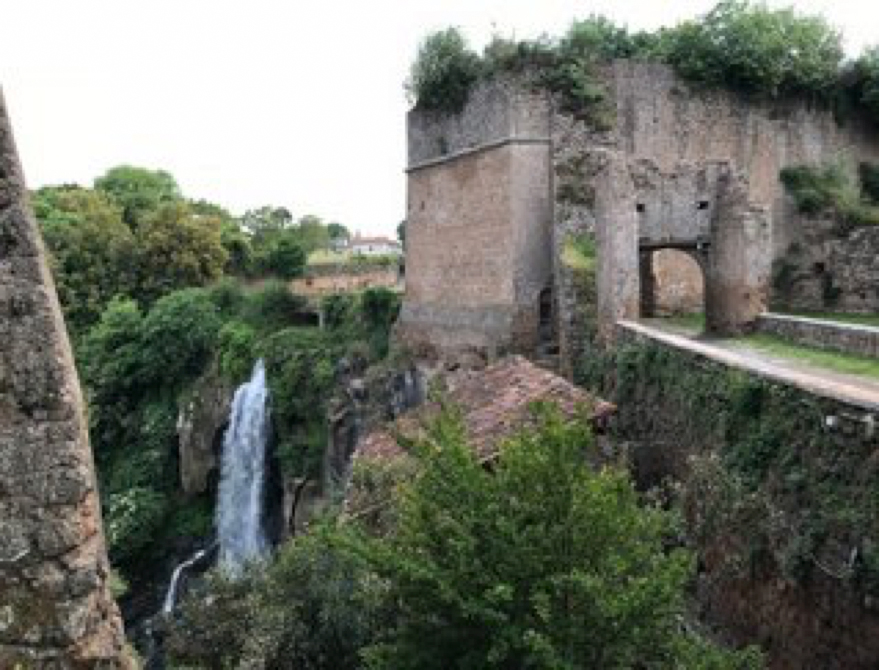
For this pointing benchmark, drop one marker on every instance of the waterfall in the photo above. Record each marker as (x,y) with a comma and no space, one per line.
(240,503)
(179,571)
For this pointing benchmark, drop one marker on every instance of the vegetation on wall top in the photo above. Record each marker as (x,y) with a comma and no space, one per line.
(831,190)
(741,45)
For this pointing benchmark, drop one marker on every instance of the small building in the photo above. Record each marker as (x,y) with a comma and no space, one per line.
(374,246)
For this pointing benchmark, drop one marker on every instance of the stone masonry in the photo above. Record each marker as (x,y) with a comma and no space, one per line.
(55,606)
(498,190)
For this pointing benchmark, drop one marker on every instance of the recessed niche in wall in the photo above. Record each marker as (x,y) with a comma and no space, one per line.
(703,204)
(819,268)
(641,207)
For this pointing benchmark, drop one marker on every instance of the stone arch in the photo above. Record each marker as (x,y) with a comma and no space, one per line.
(672,282)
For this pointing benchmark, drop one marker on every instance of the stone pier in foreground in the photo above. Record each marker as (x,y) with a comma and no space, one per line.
(56,610)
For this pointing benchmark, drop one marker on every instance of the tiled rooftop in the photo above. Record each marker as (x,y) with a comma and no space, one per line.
(495,403)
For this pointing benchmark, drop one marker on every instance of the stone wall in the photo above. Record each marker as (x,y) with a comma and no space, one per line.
(477,248)
(681,167)
(55,607)
(777,484)
(825,268)
(832,335)
(340,279)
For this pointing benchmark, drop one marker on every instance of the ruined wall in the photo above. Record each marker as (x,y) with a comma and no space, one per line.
(678,142)
(478,225)
(850,338)
(55,606)
(777,485)
(341,279)
(825,269)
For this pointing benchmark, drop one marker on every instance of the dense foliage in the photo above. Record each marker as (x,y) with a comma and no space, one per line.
(753,48)
(140,271)
(137,366)
(832,191)
(134,235)
(742,45)
(542,562)
(782,495)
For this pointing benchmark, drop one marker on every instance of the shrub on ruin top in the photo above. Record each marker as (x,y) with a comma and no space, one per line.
(829,189)
(752,48)
(443,71)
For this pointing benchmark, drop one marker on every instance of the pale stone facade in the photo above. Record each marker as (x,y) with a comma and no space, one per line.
(55,606)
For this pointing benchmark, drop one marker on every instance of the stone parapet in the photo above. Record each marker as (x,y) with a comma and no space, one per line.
(848,338)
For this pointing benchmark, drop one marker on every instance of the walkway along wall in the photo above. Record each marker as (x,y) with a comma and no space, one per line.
(55,607)
(778,484)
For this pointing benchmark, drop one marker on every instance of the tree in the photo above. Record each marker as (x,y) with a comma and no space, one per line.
(177,250)
(92,252)
(138,191)
(542,562)
(756,49)
(401,233)
(338,233)
(444,70)
(285,257)
(266,221)
(312,609)
(313,233)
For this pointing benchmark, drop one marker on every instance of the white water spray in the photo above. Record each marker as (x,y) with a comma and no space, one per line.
(240,530)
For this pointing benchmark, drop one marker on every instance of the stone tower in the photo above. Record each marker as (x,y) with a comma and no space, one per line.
(55,606)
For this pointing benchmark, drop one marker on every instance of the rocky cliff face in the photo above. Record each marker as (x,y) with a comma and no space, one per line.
(200,427)
(55,607)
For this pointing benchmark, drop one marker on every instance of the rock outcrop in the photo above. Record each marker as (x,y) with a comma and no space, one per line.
(56,610)
(200,427)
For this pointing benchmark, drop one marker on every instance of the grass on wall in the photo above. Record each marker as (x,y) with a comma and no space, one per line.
(851,364)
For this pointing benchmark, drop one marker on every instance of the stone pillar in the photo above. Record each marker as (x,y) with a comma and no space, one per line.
(55,606)
(737,275)
(619,292)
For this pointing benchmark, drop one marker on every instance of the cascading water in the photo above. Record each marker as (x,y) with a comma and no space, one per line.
(240,504)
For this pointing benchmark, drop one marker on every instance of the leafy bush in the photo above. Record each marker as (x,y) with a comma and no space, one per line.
(741,45)
(753,48)
(869,174)
(272,306)
(829,189)
(236,350)
(314,607)
(133,517)
(300,370)
(862,80)
(443,71)
(540,562)
(178,336)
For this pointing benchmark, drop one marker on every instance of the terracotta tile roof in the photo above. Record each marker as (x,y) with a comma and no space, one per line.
(495,403)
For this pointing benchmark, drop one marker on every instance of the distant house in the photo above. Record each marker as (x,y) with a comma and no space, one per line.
(374,246)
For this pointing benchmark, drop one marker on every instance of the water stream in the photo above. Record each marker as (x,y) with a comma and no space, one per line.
(240,502)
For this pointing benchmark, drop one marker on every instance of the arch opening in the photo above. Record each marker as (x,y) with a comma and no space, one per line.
(672,286)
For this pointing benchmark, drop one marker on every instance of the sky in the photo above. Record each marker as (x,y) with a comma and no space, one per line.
(295,103)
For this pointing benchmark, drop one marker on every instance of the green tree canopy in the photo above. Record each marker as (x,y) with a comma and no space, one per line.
(540,562)
(138,190)
(92,252)
(177,249)
(443,71)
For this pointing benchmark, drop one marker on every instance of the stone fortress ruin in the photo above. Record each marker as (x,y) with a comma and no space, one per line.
(498,191)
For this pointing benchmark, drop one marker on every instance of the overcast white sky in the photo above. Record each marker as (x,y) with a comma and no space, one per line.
(250,102)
